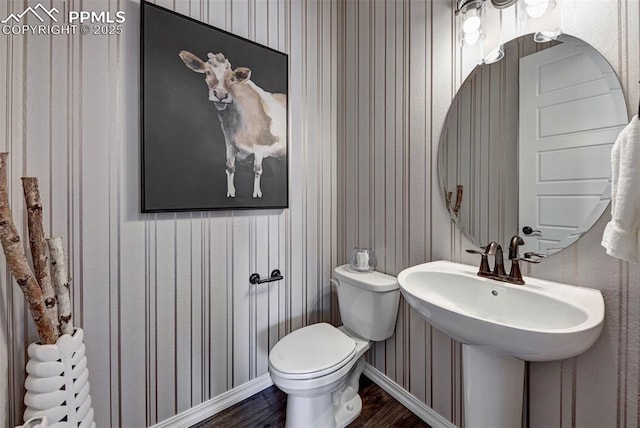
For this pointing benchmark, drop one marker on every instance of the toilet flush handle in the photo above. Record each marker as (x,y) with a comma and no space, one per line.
(334,282)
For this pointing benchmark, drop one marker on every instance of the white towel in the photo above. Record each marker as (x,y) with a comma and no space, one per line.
(621,237)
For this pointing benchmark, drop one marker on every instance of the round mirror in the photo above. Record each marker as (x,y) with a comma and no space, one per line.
(525,147)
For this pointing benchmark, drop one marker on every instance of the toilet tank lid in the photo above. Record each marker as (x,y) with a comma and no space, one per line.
(373,281)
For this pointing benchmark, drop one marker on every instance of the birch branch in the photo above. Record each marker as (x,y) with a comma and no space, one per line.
(39,252)
(4,193)
(17,263)
(61,284)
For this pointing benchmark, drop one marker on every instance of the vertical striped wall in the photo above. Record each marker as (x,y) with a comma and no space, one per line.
(601,387)
(401,68)
(392,106)
(170,318)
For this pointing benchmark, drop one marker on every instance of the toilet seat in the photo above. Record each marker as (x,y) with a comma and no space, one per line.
(311,352)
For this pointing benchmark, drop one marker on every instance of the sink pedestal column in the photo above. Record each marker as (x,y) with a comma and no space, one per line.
(493,388)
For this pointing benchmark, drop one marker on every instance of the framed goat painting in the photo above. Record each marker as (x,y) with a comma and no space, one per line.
(214,117)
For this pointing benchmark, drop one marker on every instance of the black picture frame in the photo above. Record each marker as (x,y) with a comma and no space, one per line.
(184,165)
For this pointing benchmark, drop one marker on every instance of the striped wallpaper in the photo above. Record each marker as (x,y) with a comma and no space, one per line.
(170,318)
(392,109)
(164,299)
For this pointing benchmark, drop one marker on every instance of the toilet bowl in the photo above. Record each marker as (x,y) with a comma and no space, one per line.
(319,366)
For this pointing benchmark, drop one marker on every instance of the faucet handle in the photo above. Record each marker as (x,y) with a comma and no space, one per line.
(531,257)
(515,275)
(526,259)
(530,254)
(484,262)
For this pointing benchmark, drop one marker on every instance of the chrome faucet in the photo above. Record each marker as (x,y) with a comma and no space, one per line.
(498,273)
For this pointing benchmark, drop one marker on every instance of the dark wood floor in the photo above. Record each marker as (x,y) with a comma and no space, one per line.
(267,409)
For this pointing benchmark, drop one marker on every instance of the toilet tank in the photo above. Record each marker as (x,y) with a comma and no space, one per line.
(368,302)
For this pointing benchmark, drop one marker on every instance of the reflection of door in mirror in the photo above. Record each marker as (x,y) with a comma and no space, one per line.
(570,116)
(578,109)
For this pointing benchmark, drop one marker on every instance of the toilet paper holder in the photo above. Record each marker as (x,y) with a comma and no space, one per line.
(275,276)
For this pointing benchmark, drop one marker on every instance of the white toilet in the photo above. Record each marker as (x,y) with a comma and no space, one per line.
(319,366)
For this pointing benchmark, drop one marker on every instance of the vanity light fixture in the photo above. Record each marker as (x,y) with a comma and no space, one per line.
(538,8)
(470,12)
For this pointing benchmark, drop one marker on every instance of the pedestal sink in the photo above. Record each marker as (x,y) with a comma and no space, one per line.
(502,325)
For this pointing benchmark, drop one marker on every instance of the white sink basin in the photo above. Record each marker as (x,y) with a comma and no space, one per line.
(539,321)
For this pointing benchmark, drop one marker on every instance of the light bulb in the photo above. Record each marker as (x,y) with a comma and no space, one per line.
(471,26)
(471,22)
(472,38)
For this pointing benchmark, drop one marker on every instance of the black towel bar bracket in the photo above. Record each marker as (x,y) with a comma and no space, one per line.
(275,276)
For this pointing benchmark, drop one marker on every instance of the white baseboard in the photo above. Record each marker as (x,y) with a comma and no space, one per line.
(227,399)
(217,404)
(420,409)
